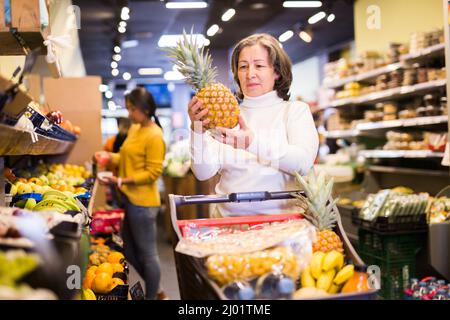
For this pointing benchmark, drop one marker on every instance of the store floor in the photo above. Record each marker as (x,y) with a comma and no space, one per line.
(169,280)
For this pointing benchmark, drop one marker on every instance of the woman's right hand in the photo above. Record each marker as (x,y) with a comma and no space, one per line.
(196,115)
(103,158)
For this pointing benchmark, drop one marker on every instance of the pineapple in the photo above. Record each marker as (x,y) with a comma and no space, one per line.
(319,213)
(195,65)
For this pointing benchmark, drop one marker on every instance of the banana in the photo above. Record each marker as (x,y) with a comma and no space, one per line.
(316,264)
(29,205)
(70,203)
(325,280)
(88,294)
(333,260)
(57,193)
(344,274)
(21,203)
(49,204)
(53,208)
(334,289)
(307,280)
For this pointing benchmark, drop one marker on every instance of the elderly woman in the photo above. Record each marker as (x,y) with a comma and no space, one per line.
(276,137)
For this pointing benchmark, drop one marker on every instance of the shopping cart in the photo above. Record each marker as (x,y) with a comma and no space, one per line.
(193,281)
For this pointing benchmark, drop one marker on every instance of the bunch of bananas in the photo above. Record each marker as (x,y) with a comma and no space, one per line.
(56,201)
(327,272)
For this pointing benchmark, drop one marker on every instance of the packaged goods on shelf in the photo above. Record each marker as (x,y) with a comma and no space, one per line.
(439,211)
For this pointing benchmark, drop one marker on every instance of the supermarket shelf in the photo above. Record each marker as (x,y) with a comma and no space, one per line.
(14,142)
(389,94)
(337,134)
(412,122)
(364,76)
(429,52)
(409,171)
(400,154)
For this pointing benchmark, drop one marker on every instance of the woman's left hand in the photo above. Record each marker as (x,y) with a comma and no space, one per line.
(110,180)
(238,139)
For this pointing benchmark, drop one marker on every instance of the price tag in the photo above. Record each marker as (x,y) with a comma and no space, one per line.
(117,240)
(136,292)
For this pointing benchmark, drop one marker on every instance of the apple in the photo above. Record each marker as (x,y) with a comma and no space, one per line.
(24,188)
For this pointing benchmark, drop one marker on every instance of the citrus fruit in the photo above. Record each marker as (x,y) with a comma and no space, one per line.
(115,257)
(116,282)
(105,267)
(102,283)
(117,267)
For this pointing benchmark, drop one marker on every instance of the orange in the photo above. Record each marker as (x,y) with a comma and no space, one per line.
(102,283)
(105,267)
(92,270)
(116,282)
(117,267)
(88,280)
(115,257)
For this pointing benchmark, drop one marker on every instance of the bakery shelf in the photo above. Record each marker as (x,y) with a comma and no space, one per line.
(337,134)
(426,53)
(390,94)
(412,122)
(409,171)
(14,142)
(364,76)
(400,154)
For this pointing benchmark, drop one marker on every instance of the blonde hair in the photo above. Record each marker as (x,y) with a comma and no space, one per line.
(278,58)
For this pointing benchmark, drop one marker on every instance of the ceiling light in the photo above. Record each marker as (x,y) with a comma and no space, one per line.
(114,65)
(125,14)
(103,88)
(117,57)
(115,72)
(206,42)
(286,36)
(305,36)
(317,17)
(186,5)
(228,14)
(302,4)
(173,76)
(126,76)
(170,40)
(150,71)
(123,24)
(212,30)
(125,10)
(258,6)
(117,49)
(130,44)
(122,29)
(331,17)
(108,94)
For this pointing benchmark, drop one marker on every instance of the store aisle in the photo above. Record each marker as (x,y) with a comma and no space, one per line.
(168,270)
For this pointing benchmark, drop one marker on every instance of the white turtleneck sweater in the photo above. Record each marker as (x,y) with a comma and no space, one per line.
(285,141)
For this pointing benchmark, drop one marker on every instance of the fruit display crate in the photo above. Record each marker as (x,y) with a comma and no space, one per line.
(394,224)
(193,280)
(395,254)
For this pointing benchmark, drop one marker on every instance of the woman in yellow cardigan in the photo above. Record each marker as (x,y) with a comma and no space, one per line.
(140,163)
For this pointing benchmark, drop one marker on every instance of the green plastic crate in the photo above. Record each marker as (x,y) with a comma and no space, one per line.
(396,257)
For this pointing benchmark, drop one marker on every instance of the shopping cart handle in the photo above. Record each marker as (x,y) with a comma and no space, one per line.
(235,197)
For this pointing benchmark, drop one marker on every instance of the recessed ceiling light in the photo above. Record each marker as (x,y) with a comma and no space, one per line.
(122,24)
(103,88)
(228,14)
(130,44)
(302,4)
(173,76)
(108,94)
(206,42)
(212,30)
(286,36)
(111,105)
(114,65)
(150,71)
(125,14)
(117,57)
(186,5)
(258,6)
(305,36)
(117,49)
(317,17)
(122,29)
(170,40)
(331,17)
(126,76)
(115,72)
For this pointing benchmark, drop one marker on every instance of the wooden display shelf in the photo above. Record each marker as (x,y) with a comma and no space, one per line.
(14,142)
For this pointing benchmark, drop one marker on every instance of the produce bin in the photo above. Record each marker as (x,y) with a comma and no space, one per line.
(193,281)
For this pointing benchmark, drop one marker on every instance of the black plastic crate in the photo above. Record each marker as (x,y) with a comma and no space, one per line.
(120,292)
(392,225)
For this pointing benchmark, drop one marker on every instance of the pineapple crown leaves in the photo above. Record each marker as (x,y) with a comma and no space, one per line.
(320,204)
(192,62)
